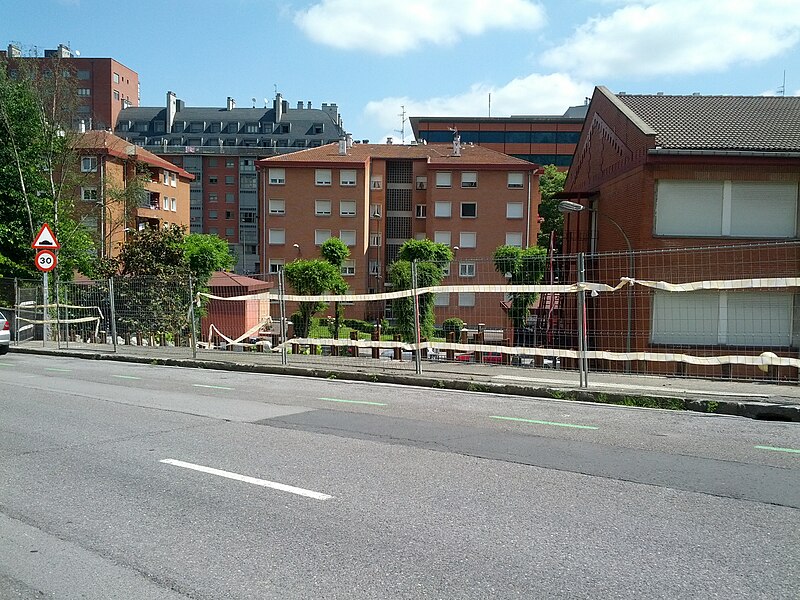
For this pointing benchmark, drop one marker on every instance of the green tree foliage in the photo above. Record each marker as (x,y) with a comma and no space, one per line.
(206,254)
(311,278)
(522,267)
(335,251)
(550,183)
(431,259)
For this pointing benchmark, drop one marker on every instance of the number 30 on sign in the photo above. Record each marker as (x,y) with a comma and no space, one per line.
(46,260)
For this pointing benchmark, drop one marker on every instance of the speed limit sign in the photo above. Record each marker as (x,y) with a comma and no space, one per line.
(46,260)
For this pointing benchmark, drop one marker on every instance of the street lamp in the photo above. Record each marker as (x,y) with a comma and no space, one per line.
(565,206)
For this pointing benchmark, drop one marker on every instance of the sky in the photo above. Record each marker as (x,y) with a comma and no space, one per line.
(380,59)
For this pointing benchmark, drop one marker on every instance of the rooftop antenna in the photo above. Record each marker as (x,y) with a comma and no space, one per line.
(782,88)
(490,104)
(254,101)
(275,85)
(402,130)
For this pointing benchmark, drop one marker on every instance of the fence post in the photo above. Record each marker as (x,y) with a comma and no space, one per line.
(583,374)
(45,309)
(192,318)
(16,310)
(113,308)
(417,357)
(282,304)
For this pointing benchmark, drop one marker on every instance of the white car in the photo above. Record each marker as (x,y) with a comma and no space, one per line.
(5,334)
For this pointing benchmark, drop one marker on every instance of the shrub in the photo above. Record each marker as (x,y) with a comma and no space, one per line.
(452,324)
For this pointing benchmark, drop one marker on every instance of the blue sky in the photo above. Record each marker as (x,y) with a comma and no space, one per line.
(434,57)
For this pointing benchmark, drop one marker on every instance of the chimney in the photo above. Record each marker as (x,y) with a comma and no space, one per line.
(308,105)
(299,105)
(231,104)
(390,140)
(14,51)
(349,138)
(456,143)
(343,147)
(278,106)
(172,108)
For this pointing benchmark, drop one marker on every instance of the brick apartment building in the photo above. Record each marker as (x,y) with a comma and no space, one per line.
(220,147)
(107,165)
(375,197)
(540,139)
(667,172)
(104,86)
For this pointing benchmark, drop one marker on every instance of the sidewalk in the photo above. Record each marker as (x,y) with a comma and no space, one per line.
(753,399)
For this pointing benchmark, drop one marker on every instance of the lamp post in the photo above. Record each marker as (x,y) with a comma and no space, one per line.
(565,206)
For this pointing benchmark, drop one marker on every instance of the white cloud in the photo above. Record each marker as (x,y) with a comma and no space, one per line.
(661,37)
(392,27)
(535,94)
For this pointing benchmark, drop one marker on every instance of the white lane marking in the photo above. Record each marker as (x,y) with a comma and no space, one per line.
(255,481)
(212,387)
(631,387)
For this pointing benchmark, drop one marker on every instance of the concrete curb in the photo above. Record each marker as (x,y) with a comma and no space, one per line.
(723,406)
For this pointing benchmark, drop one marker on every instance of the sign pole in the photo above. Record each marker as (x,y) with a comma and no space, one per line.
(45,309)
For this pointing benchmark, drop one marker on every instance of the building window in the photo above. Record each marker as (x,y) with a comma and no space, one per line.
(375,268)
(441,299)
(277,236)
(726,208)
(173,179)
(466,269)
(229,180)
(322,208)
(228,214)
(442,237)
(516,180)
(251,128)
(88,164)
(469,210)
(322,177)
(375,211)
(376,182)
(348,267)
(469,179)
(165,203)
(347,208)
(467,239)
(247,216)
(421,210)
(229,231)
(165,177)
(422,183)
(321,236)
(229,198)
(116,77)
(348,236)
(84,92)
(213,179)
(116,94)
(212,214)
(442,209)
(347,177)
(514,239)
(277,176)
(174,204)
(213,231)
(445,269)
(275,265)
(466,299)
(212,196)
(444,179)
(277,207)
(89,194)
(83,75)
(375,240)
(514,210)
(722,318)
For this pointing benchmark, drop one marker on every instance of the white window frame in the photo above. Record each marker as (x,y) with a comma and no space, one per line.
(468,239)
(348,268)
(88,164)
(442,210)
(375,240)
(347,208)
(461,210)
(375,268)
(421,211)
(89,188)
(442,237)
(322,177)
(321,236)
(173,179)
(512,236)
(276,264)
(322,208)
(376,182)
(277,237)
(174,204)
(277,206)
(466,269)
(441,299)
(277,176)
(466,299)
(347,177)
(348,236)
(469,179)
(515,210)
(516,181)
(422,183)
(444,179)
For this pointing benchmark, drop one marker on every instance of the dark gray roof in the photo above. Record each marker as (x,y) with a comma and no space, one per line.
(742,123)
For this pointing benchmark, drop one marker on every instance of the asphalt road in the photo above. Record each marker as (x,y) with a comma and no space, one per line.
(133,481)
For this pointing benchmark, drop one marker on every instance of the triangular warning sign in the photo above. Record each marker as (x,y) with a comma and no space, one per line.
(45,239)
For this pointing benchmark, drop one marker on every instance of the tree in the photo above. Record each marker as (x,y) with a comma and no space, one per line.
(551,182)
(312,278)
(431,258)
(335,251)
(205,254)
(521,267)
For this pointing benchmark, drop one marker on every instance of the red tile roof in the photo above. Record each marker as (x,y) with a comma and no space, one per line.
(437,155)
(107,142)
